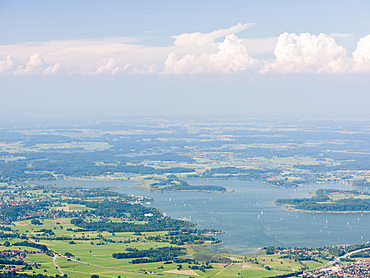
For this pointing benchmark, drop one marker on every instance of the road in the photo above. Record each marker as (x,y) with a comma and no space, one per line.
(116,269)
(338,259)
(55,263)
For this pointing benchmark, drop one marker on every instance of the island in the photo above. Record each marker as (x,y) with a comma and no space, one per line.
(173,183)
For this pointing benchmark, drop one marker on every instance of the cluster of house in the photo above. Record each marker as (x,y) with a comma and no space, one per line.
(14,253)
(306,253)
(358,269)
(19,254)
(43,212)
(12,269)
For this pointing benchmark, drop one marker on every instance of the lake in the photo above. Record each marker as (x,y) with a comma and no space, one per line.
(248,216)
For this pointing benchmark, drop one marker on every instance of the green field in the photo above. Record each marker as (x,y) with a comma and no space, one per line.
(92,255)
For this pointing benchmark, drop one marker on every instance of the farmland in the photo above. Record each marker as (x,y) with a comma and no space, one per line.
(281,154)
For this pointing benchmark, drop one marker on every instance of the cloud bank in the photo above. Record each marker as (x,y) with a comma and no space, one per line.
(217,52)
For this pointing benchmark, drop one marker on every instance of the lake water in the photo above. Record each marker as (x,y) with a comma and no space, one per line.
(249,217)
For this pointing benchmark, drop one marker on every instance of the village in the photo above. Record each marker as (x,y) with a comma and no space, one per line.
(357,269)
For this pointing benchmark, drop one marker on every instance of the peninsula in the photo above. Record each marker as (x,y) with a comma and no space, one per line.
(330,201)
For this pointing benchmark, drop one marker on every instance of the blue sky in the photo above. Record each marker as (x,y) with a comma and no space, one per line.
(51,20)
(185,58)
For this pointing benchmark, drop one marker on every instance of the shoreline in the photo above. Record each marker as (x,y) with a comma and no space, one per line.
(290,208)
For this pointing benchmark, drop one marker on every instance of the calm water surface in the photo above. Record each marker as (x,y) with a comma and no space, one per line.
(249,217)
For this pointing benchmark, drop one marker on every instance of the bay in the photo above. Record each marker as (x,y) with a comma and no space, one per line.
(248,216)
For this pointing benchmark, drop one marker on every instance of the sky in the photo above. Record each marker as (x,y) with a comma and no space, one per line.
(185,58)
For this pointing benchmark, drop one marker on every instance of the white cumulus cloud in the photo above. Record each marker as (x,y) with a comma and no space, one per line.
(232,56)
(361,56)
(51,70)
(35,65)
(308,53)
(110,68)
(228,56)
(6,64)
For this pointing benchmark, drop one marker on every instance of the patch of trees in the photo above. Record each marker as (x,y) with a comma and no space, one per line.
(363,183)
(270,250)
(9,235)
(347,260)
(363,254)
(68,254)
(36,222)
(162,224)
(341,250)
(151,255)
(13,212)
(12,262)
(42,247)
(119,208)
(201,267)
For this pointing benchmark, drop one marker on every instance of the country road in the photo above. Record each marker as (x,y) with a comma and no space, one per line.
(55,263)
(116,269)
